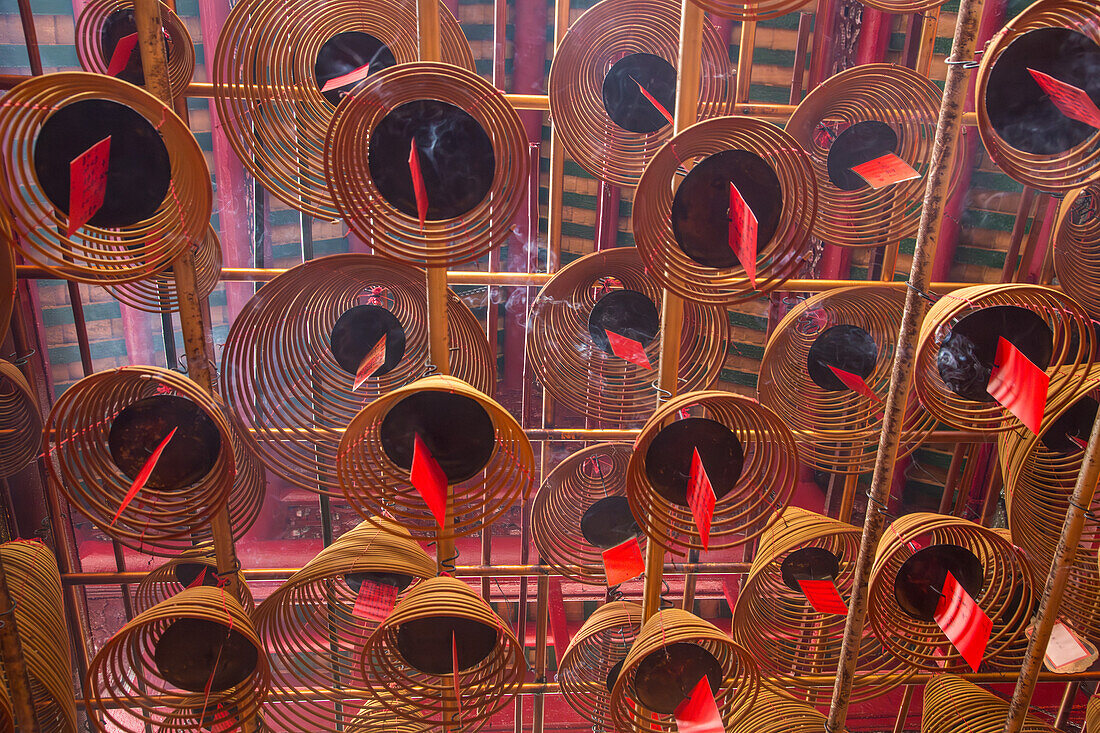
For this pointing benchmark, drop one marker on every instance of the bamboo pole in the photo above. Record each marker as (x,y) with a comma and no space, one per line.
(556,181)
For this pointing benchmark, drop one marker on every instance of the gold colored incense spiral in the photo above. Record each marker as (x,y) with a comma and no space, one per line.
(195,566)
(1077,247)
(953,705)
(587,668)
(20,421)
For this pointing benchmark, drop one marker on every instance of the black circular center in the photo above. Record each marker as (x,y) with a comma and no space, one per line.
(140,427)
(808,563)
(456,430)
(425,643)
(860,143)
(398,580)
(118,25)
(966,356)
(668,458)
(666,677)
(623,99)
(187,651)
(701,205)
(919,582)
(846,347)
(1021,113)
(627,313)
(1074,423)
(609,522)
(457,162)
(138,173)
(188,572)
(357,331)
(344,53)
(613,674)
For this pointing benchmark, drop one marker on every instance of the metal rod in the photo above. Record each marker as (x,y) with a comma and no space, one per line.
(1066,706)
(903,709)
(745,47)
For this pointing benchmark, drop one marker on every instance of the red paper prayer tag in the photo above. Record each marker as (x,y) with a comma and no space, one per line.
(698,713)
(143,476)
(454,671)
(653,100)
(120,57)
(1078,442)
(418,183)
(1063,648)
(701,498)
(371,363)
(823,596)
(964,623)
(428,478)
(885,170)
(1019,385)
(375,600)
(623,562)
(628,348)
(88,183)
(855,383)
(199,579)
(1072,102)
(223,721)
(743,232)
(352,77)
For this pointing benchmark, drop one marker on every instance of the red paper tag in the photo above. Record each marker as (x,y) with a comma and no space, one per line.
(854,382)
(418,183)
(743,232)
(1019,385)
(964,623)
(1072,102)
(371,363)
(823,597)
(143,476)
(88,183)
(428,478)
(223,721)
(375,600)
(653,100)
(454,671)
(885,170)
(352,77)
(124,49)
(623,562)
(1078,442)
(701,498)
(199,579)
(1064,648)
(698,713)
(628,348)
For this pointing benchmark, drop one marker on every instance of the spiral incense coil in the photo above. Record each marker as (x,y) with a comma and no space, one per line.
(683,231)
(749,456)
(673,651)
(291,358)
(752,10)
(473,166)
(412,653)
(7,277)
(35,588)
(852,118)
(195,566)
(157,198)
(1026,134)
(157,294)
(958,344)
(775,714)
(574,358)
(319,607)
(591,663)
(104,23)
(375,718)
(953,705)
(273,59)
(1077,247)
(778,627)
(608,55)
(180,666)
(853,330)
(916,553)
(1092,715)
(582,509)
(103,431)
(20,421)
(482,451)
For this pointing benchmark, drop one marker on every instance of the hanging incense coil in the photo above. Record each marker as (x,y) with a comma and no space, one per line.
(101,28)
(752,10)
(7,277)
(913,558)
(582,510)
(573,356)
(35,588)
(411,656)
(273,59)
(780,629)
(292,355)
(20,421)
(374,717)
(775,714)
(481,450)
(673,651)
(853,330)
(157,198)
(319,608)
(1077,247)
(157,293)
(1092,715)
(102,432)
(608,55)
(1026,134)
(749,455)
(180,666)
(958,344)
(473,164)
(682,227)
(195,566)
(592,661)
(857,116)
(953,705)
